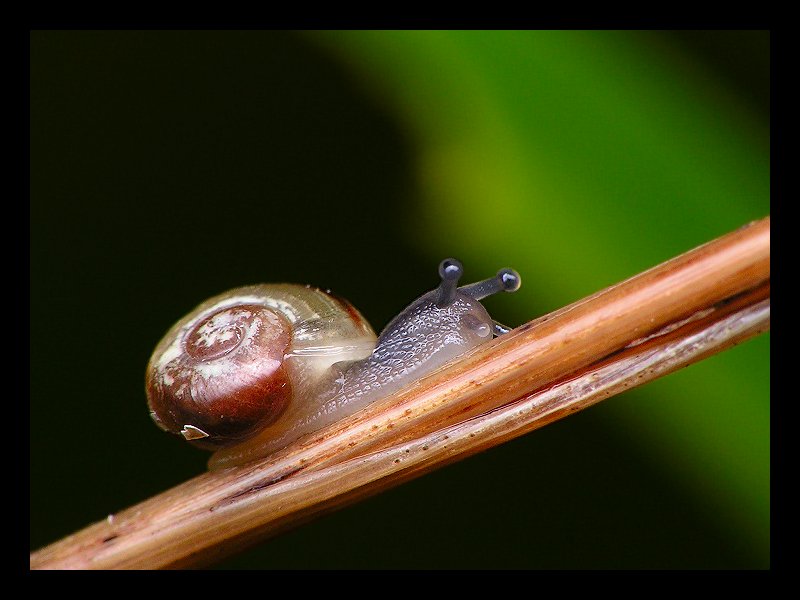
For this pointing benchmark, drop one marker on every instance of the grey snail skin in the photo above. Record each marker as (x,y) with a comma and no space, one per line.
(251,370)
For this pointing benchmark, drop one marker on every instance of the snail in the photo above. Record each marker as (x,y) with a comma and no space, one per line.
(251,370)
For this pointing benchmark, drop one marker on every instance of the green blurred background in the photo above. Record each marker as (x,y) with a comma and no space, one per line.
(169,166)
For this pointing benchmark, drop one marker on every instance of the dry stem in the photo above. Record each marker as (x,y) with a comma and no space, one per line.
(672,315)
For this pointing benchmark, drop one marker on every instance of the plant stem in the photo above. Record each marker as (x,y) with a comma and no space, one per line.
(681,311)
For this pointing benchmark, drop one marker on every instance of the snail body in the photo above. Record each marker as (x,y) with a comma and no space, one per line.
(251,370)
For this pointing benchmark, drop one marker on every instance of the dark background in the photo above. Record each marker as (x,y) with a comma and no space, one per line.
(169,166)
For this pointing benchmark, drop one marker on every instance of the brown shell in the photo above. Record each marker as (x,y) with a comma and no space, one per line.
(233,365)
(228,378)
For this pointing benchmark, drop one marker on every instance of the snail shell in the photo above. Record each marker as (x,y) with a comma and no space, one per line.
(232,365)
